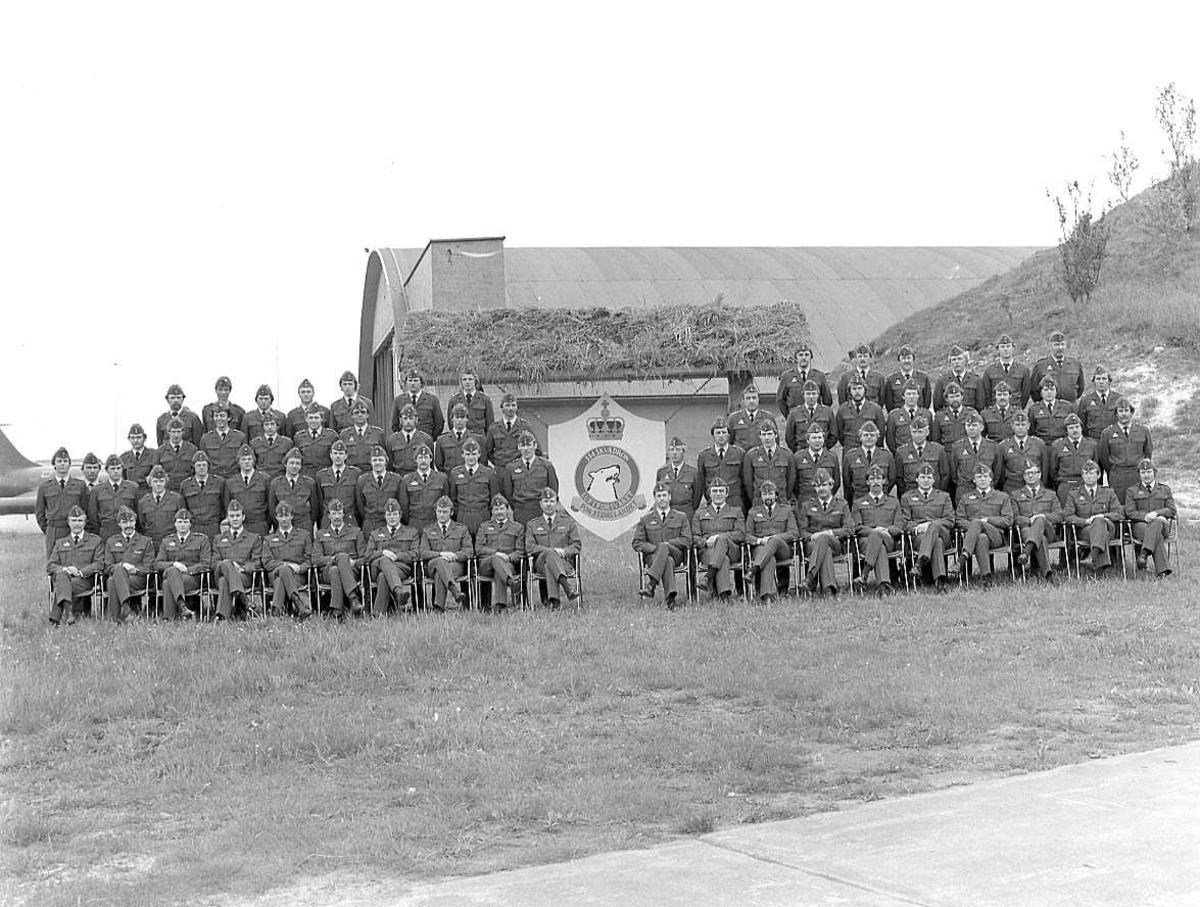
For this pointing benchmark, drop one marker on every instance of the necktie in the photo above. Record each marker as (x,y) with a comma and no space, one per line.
(76,539)
(925,495)
(379,481)
(825,507)
(286,536)
(676,473)
(811,414)
(408,437)
(1103,399)
(337,476)
(292,482)
(1092,494)
(1006,370)
(508,426)
(200,485)
(720,455)
(976,447)
(62,483)
(471,471)
(392,532)
(920,450)
(550,523)
(362,433)
(458,436)
(771,511)
(158,499)
(1126,430)
(236,536)
(469,400)
(445,529)
(176,449)
(803,378)
(314,435)
(414,399)
(910,415)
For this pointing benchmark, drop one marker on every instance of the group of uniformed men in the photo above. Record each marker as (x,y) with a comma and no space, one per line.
(980,453)
(230,493)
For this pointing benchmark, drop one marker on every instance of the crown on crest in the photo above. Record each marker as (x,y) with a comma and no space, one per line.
(605,427)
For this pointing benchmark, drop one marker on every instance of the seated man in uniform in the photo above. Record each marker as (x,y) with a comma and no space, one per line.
(237,553)
(287,558)
(984,516)
(445,550)
(72,567)
(183,557)
(337,553)
(1150,507)
(877,528)
(552,540)
(128,562)
(1038,514)
(770,531)
(499,548)
(825,525)
(927,515)
(1093,511)
(392,555)
(718,530)
(662,539)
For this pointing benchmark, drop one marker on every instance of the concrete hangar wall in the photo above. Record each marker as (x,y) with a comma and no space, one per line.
(849,294)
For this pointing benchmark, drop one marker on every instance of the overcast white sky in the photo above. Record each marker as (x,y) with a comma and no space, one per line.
(187,191)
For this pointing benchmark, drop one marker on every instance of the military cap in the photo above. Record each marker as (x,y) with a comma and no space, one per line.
(348,375)
(662,486)
(911,385)
(526,437)
(223,384)
(1047,382)
(1020,416)
(869,425)
(174,424)
(360,406)
(816,429)
(549,494)
(293,454)
(235,504)
(856,381)
(305,383)
(335,504)
(1003,339)
(219,408)
(953,388)
(766,424)
(264,390)
(1090,466)
(905,350)
(677,442)
(971,417)
(458,410)
(719,422)
(1072,419)
(377,451)
(508,397)
(499,500)
(957,350)
(283,508)
(392,506)
(408,410)
(768,485)
(444,502)
(918,422)
(876,470)
(804,347)
(822,476)
(61,452)
(269,416)
(982,469)
(1056,336)
(811,385)
(175,389)
(199,457)
(76,511)
(1001,386)
(136,429)
(90,459)
(339,444)
(183,514)
(862,348)
(750,389)
(124,513)
(158,472)
(1146,463)
(246,451)
(471,445)
(412,373)
(113,460)
(717,482)
(422,451)
(1031,464)
(926,470)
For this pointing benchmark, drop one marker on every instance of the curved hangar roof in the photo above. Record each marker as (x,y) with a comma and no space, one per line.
(849,294)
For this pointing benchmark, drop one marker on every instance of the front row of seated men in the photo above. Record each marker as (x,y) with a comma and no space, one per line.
(287,554)
(824,524)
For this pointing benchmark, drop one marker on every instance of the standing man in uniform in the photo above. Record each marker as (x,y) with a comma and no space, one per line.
(204,497)
(662,539)
(314,444)
(72,567)
(252,424)
(854,412)
(791,382)
(807,413)
(341,410)
(128,561)
(1066,373)
(897,431)
(298,491)
(478,405)
(421,490)
(375,489)
(251,488)
(236,554)
(680,477)
(447,449)
(969,453)
(552,540)
(176,455)
(743,423)
(997,418)
(723,459)
(500,439)
(402,444)
(770,531)
(91,481)
(427,406)
(56,496)
(1123,446)
(157,508)
(339,482)
(769,461)
(809,460)
(109,497)
(499,549)
(918,453)
(858,462)
(192,426)
(897,383)
(1016,451)
(472,488)
(1067,456)
(222,443)
(1048,416)
(718,531)
(223,387)
(361,438)
(961,375)
(874,383)
(1006,369)
(297,418)
(524,479)
(949,422)
(270,447)
(139,459)
(1098,407)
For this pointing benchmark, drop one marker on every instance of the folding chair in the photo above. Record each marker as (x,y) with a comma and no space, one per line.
(1116,549)
(95,597)
(267,591)
(1170,539)
(320,587)
(481,587)
(1061,547)
(897,562)
(686,567)
(535,580)
(203,596)
(1004,550)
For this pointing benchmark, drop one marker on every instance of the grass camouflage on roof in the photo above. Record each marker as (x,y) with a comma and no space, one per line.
(537,345)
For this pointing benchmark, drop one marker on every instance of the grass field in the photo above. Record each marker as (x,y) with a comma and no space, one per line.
(156,764)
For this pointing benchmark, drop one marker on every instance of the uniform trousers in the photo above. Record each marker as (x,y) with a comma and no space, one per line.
(342,579)
(820,551)
(874,548)
(446,575)
(980,539)
(121,588)
(932,544)
(1039,534)
(176,586)
(389,584)
(54,532)
(554,567)
(501,571)
(661,564)
(231,586)
(67,589)
(1098,534)
(717,562)
(286,586)
(1152,537)
(766,558)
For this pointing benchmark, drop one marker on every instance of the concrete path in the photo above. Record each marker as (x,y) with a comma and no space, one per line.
(1123,831)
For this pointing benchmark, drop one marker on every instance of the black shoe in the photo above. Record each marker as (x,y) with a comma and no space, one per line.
(922,562)
(725,596)
(831,591)
(885,589)
(648,592)
(460,598)
(302,616)
(573,596)
(1140,560)
(553,604)
(1023,559)
(356,605)
(941,585)
(672,601)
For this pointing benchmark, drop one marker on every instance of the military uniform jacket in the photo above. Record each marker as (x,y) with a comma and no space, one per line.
(137,469)
(964,458)
(194,552)
(563,534)
(252,424)
(1139,501)
(779,466)
(493,537)
(447,449)
(710,464)
(157,518)
(253,492)
(297,418)
(897,432)
(237,415)
(341,416)
(882,514)
(295,549)
(87,555)
(949,425)
(995,505)
(997,423)
(372,498)
(480,413)
(815,517)
(806,472)
(1049,422)
(781,521)
(937,509)
(874,382)
(972,388)
(522,484)
(473,493)
(743,426)
(404,543)
(208,504)
(106,500)
(138,550)
(683,485)
(222,452)
(330,486)
(855,464)
(269,454)
(791,389)
(177,463)
(1015,457)
(728,523)
(193,426)
(402,451)
(419,494)
(304,499)
(1017,378)
(314,451)
(245,550)
(330,543)
(795,432)
(893,394)
(850,418)
(1027,502)
(429,413)
(1066,460)
(1081,505)
(909,461)
(1117,451)
(1067,375)
(1097,413)
(455,537)
(655,528)
(359,445)
(53,502)
(500,442)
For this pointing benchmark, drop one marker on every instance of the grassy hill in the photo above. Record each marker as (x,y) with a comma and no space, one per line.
(1143,323)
